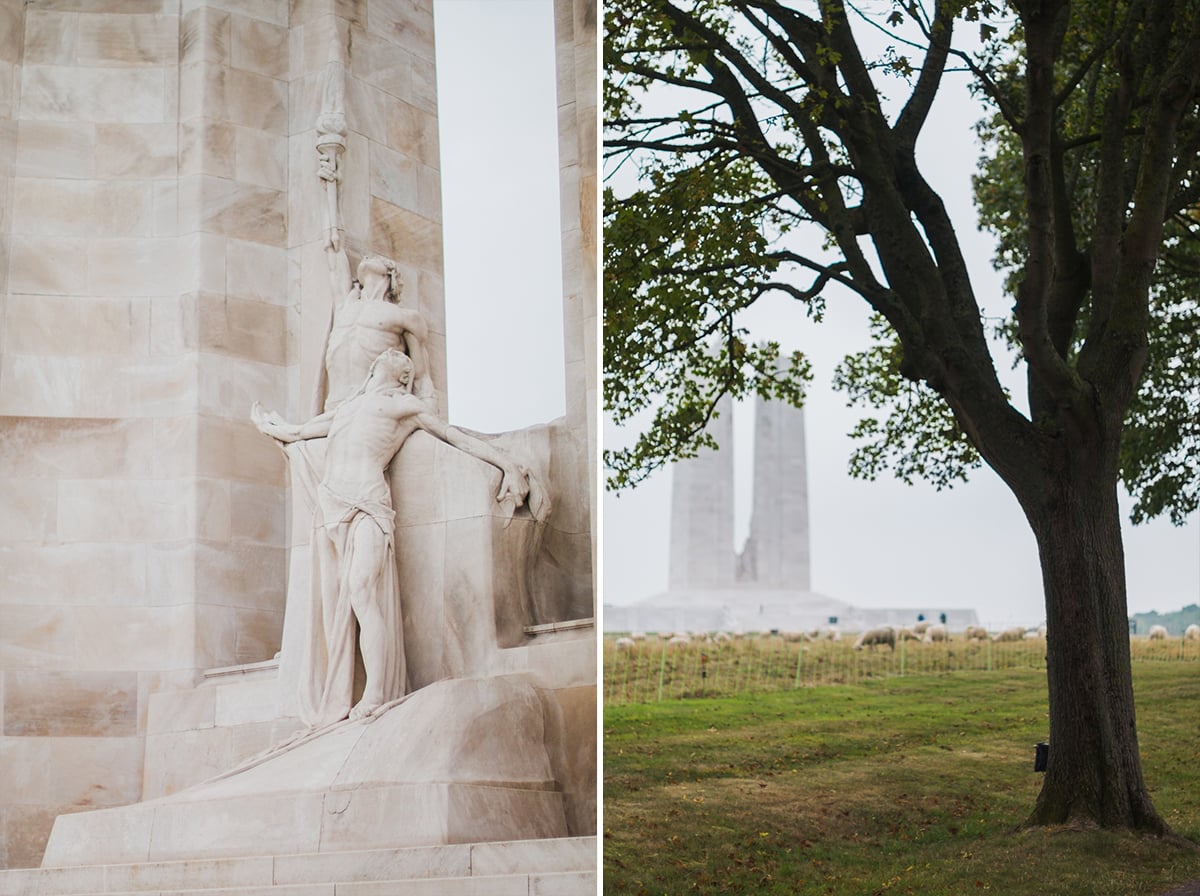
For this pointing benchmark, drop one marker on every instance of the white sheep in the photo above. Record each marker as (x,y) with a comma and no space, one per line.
(937,632)
(976,633)
(1157,633)
(920,628)
(907,634)
(624,643)
(1192,633)
(1016,633)
(679,639)
(872,636)
(796,637)
(638,636)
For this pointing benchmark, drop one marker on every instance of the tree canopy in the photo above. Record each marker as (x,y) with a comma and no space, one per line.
(753,155)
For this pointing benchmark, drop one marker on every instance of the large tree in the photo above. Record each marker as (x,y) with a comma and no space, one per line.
(780,120)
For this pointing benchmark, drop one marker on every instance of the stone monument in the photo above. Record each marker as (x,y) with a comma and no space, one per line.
(150,672)
(768,584)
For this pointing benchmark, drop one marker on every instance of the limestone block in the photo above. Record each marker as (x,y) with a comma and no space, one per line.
(56,149)
(412,131)
(518,856)
(138,638)
(582,883)
(71,771)
(81,208)
(257,101)
(174,449)
(26,828)
(257,513)
(423,94)
(233,449)
(245,702)
(407,23)
(165,210)
(243,211)
(136,150)
(230,635)
(456,860)
(429,193)
(12,19)
(105,386)
(261,158)
(202,264)
(394,177)
(393,227)
(36,637)
(239,876)
(92,510)
(50,37)
(208,147)
(70,704)
(213,514)
(176,711)
(570,715)
(247,329)
(36,265)
(255,271)
(275,11)
(152,682)
(95,574)
(128,267)
(259,46)
(205,34)
(27,510)
(242,574)
(107,39)
(64,93)
(45,447)
(378,63)
(180,759)
(514,885)
(142,7)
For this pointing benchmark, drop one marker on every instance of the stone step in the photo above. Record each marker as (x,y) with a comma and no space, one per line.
(565,865)
(562,883)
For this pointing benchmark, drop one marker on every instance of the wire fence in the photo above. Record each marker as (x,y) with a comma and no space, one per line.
(654,670)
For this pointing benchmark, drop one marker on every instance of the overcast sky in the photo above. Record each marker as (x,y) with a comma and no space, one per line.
(883,543)
(499,146)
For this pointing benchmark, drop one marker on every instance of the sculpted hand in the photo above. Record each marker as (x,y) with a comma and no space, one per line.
(271,424)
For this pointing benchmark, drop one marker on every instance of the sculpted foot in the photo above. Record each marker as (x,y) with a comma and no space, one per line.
(363,710)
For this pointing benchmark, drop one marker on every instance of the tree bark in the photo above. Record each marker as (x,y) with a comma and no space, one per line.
(1094,774)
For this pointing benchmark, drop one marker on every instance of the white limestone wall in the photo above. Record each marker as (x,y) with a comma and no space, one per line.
(777,553)
(702,553)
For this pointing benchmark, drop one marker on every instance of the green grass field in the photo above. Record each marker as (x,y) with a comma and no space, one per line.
(890,785)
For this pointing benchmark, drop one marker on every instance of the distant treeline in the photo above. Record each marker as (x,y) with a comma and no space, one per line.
(1176,622)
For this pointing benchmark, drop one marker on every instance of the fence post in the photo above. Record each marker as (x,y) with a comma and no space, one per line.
(903,640)
(662,671)
(799,664)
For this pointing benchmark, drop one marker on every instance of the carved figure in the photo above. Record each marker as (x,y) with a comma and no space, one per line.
(366,322)
(354,532)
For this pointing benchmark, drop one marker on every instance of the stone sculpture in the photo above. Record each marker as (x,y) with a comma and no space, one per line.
(354,530)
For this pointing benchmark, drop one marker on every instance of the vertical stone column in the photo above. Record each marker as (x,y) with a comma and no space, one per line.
(778,547)
(702,553)
(97,406)
(576,62)
(231,307)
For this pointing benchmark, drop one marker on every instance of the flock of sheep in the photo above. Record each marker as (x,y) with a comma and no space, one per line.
(886,635)
(1159,633)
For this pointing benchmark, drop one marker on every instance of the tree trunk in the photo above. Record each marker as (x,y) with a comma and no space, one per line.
(1094,775)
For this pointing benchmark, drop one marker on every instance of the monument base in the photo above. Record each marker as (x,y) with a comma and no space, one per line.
(460,761)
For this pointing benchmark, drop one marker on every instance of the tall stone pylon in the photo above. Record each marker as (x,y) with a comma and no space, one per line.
(776,554)
(702,511)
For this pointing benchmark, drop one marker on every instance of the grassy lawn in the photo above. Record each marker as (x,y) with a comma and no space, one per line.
(899,785)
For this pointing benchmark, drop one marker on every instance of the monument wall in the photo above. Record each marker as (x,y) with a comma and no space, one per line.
(159,263)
